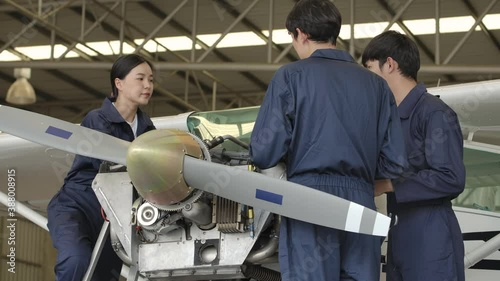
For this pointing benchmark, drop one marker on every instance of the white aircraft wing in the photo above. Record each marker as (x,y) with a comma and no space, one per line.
(478,207)
(477,106)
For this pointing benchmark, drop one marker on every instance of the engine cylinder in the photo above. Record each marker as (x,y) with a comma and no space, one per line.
(199,212)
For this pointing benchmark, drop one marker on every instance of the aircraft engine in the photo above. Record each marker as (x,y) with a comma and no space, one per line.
(206,213)
(153,221)
(156,221)
(193,235)
(155,165)
(166,202)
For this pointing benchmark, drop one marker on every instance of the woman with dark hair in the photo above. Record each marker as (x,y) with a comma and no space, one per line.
(74,214)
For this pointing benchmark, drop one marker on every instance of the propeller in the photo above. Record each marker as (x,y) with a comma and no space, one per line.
(62,135)
(250,188)
(283,197)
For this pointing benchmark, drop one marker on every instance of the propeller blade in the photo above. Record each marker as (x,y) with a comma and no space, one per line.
(62,135)
(284,198)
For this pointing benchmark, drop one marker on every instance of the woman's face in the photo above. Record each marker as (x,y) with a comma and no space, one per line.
(137,86)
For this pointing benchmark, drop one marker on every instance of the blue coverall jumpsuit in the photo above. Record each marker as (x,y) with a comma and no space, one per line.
(336,125)
(426,243)
(74,213)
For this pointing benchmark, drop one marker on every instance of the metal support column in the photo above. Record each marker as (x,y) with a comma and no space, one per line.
(271,28)
(122,24)
(437,52)
(352,50)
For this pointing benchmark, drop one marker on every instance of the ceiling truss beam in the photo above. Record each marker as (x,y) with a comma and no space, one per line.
(234,66)
(486,31)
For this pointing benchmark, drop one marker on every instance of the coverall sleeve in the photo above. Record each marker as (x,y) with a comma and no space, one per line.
(95,122)
(272,131)
(445,175)
(392,159)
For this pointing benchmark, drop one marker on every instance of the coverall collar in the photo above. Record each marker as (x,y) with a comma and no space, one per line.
(112,114)
(405,108)
(333,54)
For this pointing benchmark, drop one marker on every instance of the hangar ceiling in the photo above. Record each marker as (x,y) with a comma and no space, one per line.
(78,41)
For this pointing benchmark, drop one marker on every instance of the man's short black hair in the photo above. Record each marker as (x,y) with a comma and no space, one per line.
(397,46)
(319,19)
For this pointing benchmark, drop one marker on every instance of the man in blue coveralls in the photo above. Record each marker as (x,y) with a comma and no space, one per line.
(426,242)
(335,124)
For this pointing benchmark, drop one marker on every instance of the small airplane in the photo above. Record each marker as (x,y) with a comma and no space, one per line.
(198,197)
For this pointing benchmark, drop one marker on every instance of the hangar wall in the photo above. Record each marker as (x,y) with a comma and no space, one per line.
(29,246)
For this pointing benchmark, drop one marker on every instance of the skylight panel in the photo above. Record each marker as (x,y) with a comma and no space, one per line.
(102,47)
(366,30)
(345,32)
(235,39)
(456,24)
(151,46)
(177,43)
(8,56)
(43,52)
(107,48)
(492,21)
(115,45)
(248,38)
(422,26)
(86,50)
(280,36)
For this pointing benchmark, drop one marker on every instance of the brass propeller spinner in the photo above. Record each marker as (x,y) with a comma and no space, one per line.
(155,163)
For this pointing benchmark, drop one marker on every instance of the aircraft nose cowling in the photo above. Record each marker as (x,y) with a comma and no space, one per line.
(155,165)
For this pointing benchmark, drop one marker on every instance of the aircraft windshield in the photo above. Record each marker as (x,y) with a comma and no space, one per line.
(481,190)
(235,122)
